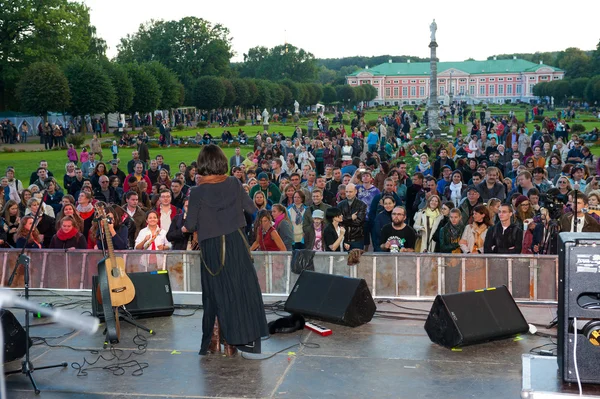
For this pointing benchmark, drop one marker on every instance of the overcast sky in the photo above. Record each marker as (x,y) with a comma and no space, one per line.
(335,29)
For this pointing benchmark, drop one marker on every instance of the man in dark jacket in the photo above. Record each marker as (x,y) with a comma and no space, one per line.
(105,192)
(317,203)
(441,161)
(143,151)
(586,222)
(175,235)
(354,213)
(136,217)
(505,237)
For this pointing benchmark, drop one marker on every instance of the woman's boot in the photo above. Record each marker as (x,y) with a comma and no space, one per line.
(230,350)
(215,340)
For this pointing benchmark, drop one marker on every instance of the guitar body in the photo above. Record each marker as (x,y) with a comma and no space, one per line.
(122,290)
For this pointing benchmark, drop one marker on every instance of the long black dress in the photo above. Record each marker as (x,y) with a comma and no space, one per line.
(230,288)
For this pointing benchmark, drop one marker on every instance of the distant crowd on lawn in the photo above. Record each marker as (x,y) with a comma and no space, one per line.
(497,188)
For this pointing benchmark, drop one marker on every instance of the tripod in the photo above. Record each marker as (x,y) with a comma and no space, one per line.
(119,314)
(26,366)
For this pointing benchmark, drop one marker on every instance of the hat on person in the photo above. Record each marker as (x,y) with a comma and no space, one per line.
(114,162)
(263,175)
(520,200)
(318,214)
(471,188)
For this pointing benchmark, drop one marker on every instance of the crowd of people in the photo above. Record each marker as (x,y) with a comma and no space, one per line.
(499,188)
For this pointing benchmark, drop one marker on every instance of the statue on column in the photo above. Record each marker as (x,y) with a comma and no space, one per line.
(433,28)
(265,119)
(296,107)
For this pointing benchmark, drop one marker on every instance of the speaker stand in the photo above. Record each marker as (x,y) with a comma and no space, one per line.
(27,367)
(128,319)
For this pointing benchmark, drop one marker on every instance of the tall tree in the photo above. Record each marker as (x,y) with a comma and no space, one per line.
(263,97)
(242,92)
(592,90)
(278,63)
(191,47)
(578,87)
(230,98)
(168,84)
(208,92)
(146,97)
(329,94)
(91,88)
(575,62)
(346,94)
(42,88)
(122,85)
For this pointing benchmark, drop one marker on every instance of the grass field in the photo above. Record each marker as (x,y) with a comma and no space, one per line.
(26,162)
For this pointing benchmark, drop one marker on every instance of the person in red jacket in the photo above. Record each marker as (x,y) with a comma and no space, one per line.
(138,173)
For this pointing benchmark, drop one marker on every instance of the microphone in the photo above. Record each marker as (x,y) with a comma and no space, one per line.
(68,318)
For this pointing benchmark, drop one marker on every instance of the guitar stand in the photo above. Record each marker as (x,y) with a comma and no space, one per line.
(129,320)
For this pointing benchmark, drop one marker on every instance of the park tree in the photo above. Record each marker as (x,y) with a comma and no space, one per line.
(263,98)
(326,76)
(91,88)
(560,90)
(329,94)
(122,85)
(316,92)
(168,84)
(242,92)
(191,47)
(575,62)
(294,89)
(277,94)
(578,87)
(541,89)
(346,94)
(592,90)
(370,92)
(595,61)
(278,63)
(359,93)
(230,99)
(32,31)
(146,91)
(42,88)
(252,92)
(288,100)
(208,93)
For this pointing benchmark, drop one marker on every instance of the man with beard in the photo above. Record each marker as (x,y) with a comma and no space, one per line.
(491,187)
(398,236)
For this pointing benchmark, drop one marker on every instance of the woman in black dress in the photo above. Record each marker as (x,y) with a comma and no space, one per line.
(231,297)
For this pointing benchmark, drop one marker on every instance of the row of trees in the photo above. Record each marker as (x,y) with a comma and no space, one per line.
(85,86)
(587,89)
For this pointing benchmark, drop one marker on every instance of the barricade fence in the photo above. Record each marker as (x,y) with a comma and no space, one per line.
(402,276)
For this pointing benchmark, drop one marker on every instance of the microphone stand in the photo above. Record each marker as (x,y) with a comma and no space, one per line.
(27,367)
(575,218)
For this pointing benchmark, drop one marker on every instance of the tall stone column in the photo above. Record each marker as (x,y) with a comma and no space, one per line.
(433,107)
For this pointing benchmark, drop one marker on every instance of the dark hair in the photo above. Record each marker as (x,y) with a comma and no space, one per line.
(130,193)
(212,161)
(533,191)
(332,212)
(449,204)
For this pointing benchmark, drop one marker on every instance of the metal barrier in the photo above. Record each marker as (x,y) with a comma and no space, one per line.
(406,275)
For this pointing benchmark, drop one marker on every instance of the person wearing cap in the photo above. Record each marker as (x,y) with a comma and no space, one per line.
(115,171)
(466,207)
(317,204)
(269,189)
(313,236)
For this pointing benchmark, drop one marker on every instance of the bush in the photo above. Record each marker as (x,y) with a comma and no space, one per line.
(150,130)
(8,149)
(538,118)
(241,122)
(346,121)
(201,124)
(591,120)
(304,132)
(180,126)
(76,139)
(372,122)
(577,128)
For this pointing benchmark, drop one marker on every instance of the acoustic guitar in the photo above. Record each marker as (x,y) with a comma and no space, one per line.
(115,287)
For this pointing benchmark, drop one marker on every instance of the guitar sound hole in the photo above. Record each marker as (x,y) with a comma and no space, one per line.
(115,272)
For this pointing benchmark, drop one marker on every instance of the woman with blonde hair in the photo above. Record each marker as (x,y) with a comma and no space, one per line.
(426,223)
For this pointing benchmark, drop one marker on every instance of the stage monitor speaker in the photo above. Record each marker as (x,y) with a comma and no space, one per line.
(579,297)
(14,336)
(153,296)
(472,317)
(337,299)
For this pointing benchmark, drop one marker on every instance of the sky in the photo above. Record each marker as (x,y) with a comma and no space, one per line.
(335,29)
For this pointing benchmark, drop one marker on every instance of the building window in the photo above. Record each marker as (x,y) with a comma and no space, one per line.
(442,81)
(556,77)
(508,90)
(441,90)
(404,81)
(492,79)
(353,82)
(413,91)
(472,90)
(500,90)
(518,79)
(500,79)
(395,81)
(472,80)
(509,79)
(376,81)
(518,89)
(395,92)
(422,81)
(365,82)
(387,91)
(388,82)
(422,91)
(462,90)
(462,80)
(492,90)
(404,91)
(532,78)
(531,88)
(544,77)
(482,90)
(482,79)
(413,81)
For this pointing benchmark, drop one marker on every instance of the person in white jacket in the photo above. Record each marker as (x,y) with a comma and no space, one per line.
(474,235)
(426,223)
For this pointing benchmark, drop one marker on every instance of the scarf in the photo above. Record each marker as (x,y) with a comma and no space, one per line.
(299,215)
(212,179)
(455,232)
(85,209)
(431,215)
(455,193)
(66,236)
(278,220)
(478,230)
(424,166)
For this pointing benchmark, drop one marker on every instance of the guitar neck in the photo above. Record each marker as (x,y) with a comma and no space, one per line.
(109,242)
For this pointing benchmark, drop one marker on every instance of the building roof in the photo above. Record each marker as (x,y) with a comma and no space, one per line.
(470,67)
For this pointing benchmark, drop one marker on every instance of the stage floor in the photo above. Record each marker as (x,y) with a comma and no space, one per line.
(387,358)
